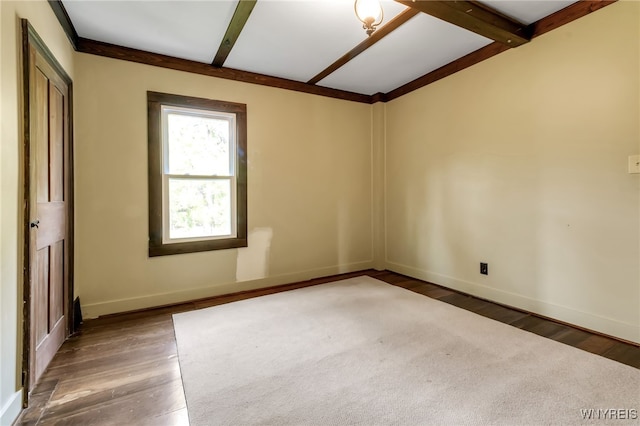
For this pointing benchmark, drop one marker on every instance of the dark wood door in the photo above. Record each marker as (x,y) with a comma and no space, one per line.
(48,212)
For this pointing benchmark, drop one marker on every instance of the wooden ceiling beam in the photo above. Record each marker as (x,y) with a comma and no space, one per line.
(453,67)
(63,17)
(240,16)
(556,20)
(154,59)
(476,17)
(566,15)
(549,23)
(381,32)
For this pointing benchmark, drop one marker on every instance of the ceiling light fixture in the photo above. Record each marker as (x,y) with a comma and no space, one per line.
(370,13)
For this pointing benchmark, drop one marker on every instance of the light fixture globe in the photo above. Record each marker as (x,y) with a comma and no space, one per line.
(370,13)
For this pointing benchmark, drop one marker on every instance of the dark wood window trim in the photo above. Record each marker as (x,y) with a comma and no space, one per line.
(155,101)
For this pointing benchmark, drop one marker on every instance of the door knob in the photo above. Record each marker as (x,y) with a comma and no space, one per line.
(35,224)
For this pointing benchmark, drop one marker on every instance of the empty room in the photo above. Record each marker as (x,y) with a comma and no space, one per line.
(313,212)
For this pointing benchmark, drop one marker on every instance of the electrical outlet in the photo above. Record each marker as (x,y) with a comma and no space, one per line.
(484,268)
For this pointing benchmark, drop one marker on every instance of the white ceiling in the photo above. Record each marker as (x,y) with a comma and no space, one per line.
(412,50)
(184,29)
(294,39)
(277,41)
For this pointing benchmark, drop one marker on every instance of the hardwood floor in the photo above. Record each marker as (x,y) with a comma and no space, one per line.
(123,369)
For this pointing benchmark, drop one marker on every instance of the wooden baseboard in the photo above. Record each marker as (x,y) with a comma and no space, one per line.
(242,295)
(181,295)
(608,327)
(248,294)
(533,314)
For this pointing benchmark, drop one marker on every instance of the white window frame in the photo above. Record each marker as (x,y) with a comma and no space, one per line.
(166,176)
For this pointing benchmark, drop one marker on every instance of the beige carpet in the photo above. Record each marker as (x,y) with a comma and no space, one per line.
(360,351)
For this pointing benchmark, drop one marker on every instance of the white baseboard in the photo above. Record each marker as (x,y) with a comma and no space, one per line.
(612,327)
(94,310)
(11,410)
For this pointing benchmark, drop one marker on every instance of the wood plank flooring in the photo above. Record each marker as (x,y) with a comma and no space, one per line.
(123,369)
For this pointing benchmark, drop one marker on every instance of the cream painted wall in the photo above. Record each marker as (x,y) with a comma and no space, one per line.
(521,162)
(45,23)
(310,189)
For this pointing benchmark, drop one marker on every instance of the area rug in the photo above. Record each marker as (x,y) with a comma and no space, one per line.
(363,352)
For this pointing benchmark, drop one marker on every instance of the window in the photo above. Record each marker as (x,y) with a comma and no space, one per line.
(197,174)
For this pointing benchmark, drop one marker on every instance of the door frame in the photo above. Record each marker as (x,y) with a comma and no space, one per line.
(30,38)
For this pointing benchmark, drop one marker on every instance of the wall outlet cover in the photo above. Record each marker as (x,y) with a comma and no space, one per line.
(484,268)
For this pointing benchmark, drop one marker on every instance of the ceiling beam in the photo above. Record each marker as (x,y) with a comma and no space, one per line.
(459,64)
(544,25)
(549,23)
(476,17)
(142,57)
(566,15)
(63,17)
(240,16)
(381,32)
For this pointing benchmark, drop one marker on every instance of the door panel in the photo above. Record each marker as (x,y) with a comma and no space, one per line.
(56,283)
(41,135)
(56,145)
(40,286)
(51,223)
(48,346)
